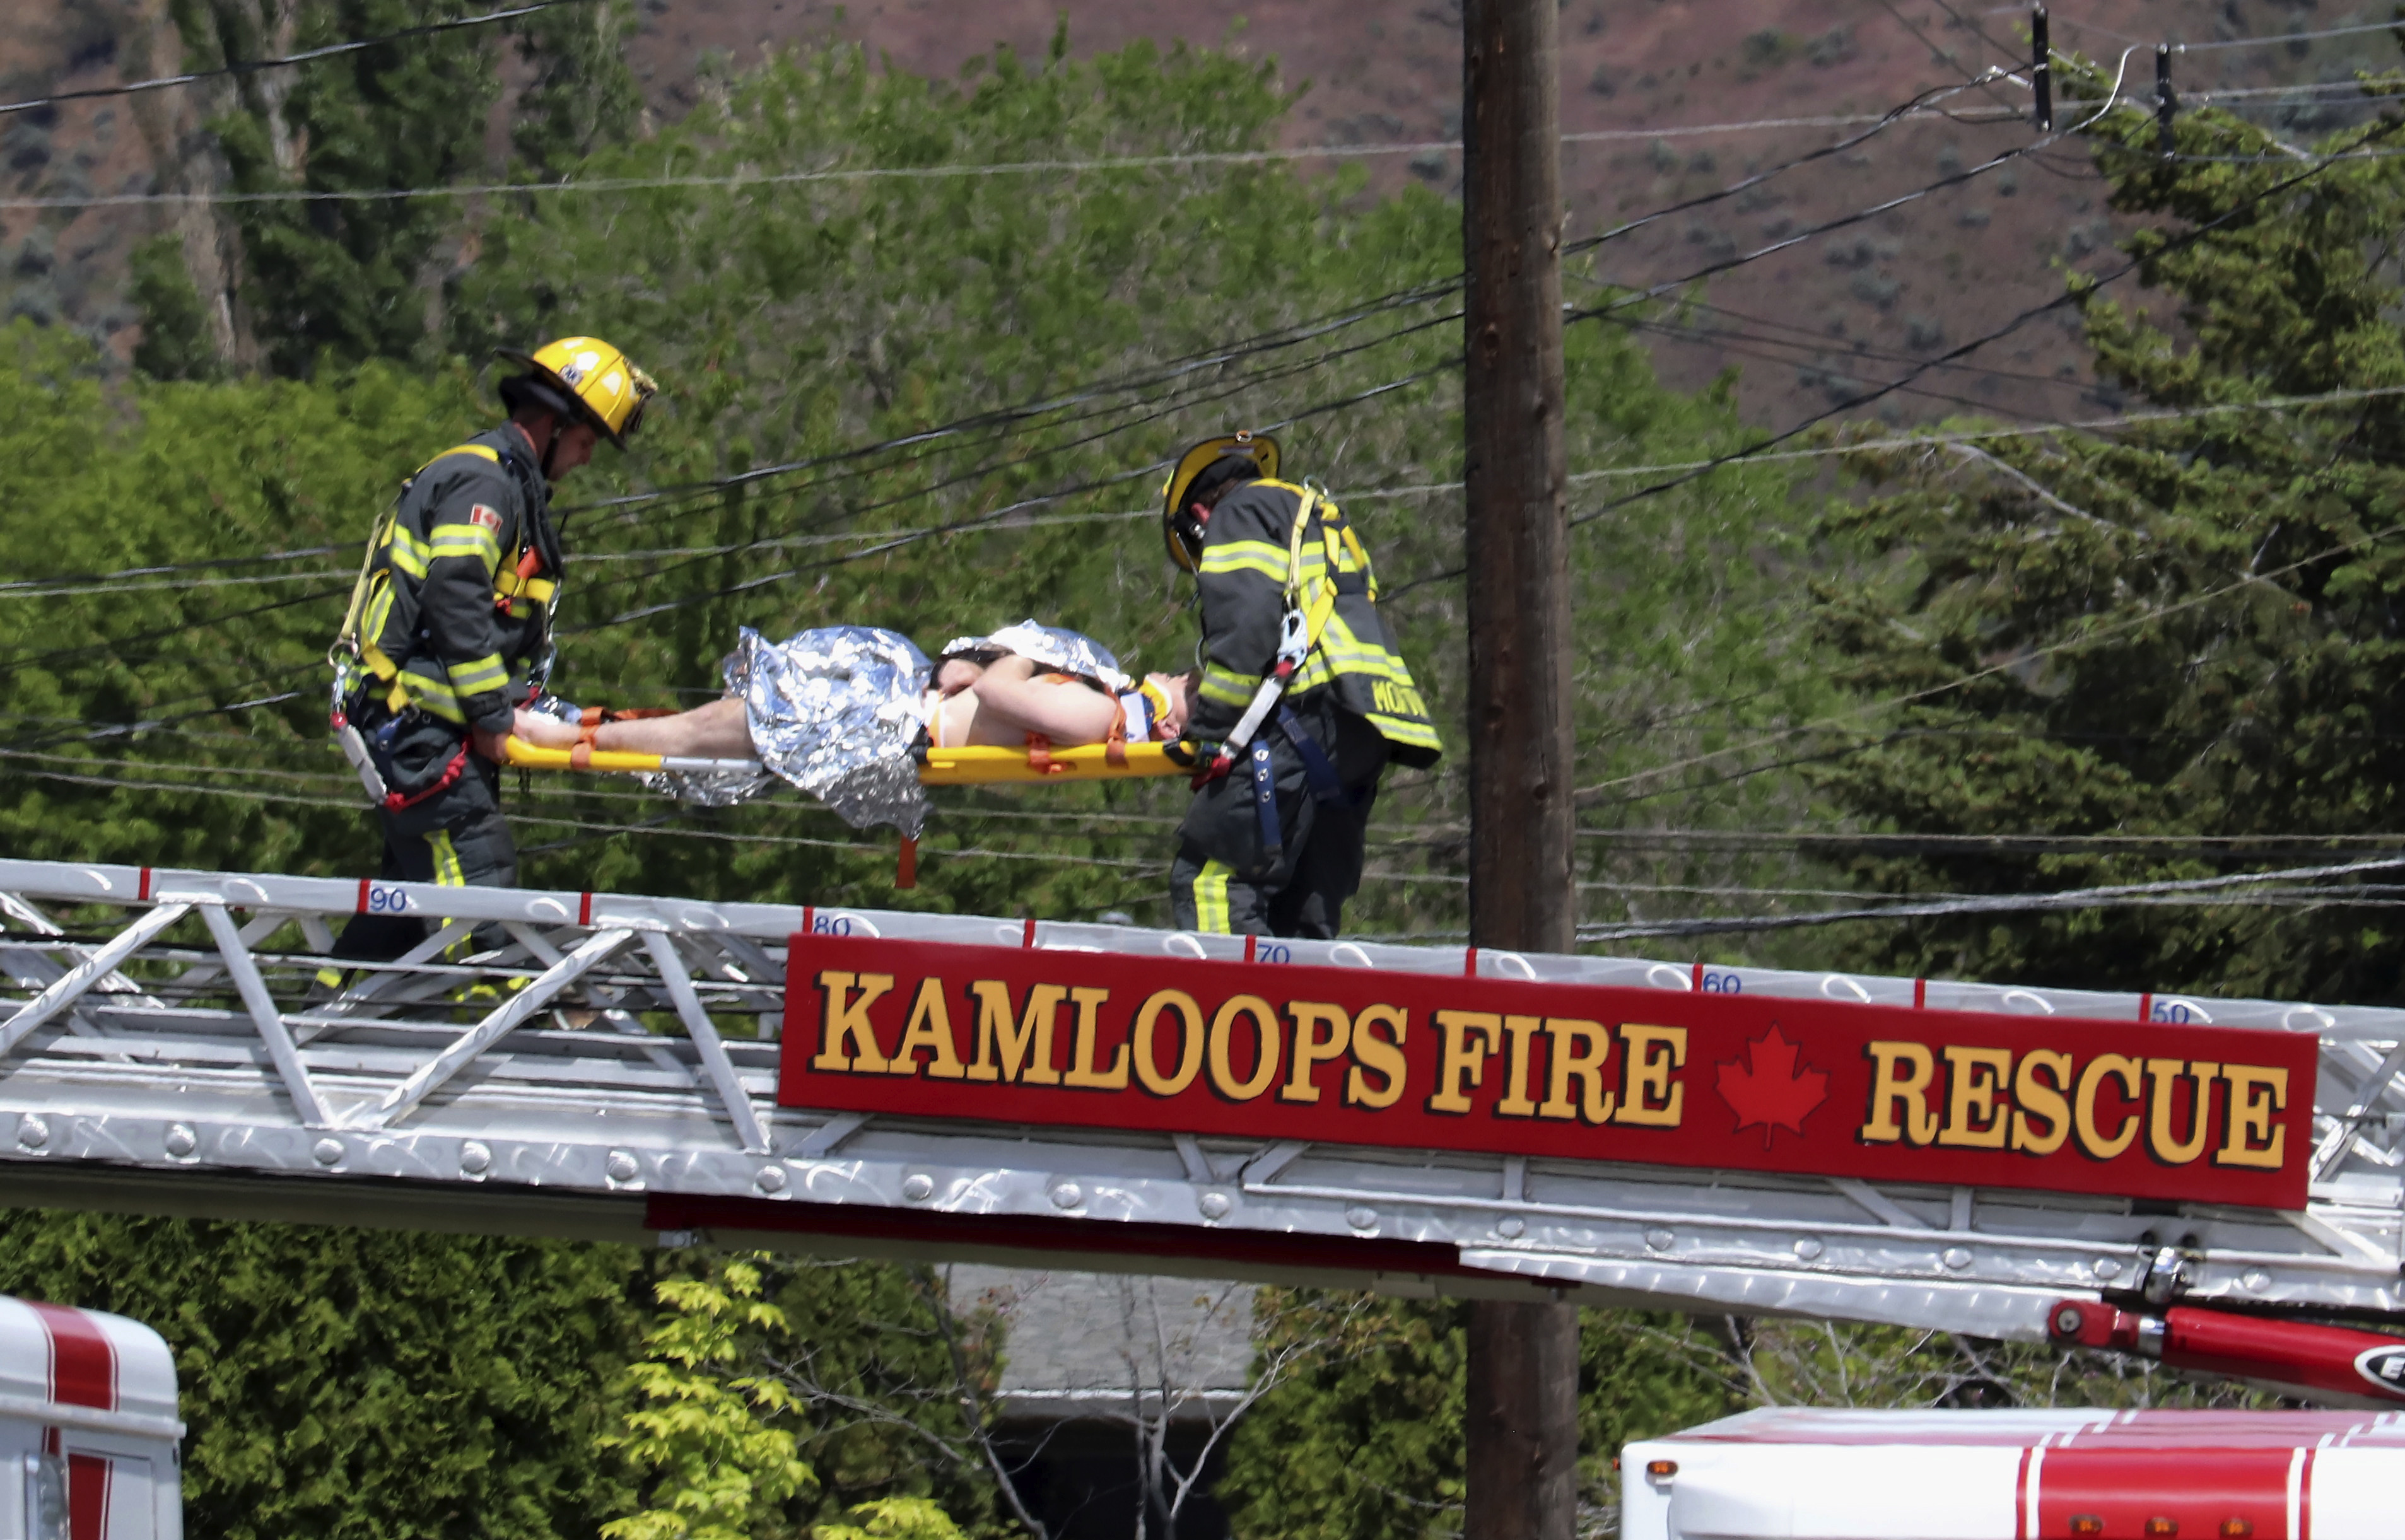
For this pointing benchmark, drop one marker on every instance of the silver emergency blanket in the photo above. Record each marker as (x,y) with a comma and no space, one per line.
(1061,651)
(835,712)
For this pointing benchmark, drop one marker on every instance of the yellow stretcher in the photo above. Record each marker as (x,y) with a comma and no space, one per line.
(1032,766)
(1038,763)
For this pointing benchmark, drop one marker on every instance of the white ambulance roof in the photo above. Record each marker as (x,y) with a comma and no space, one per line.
(2055,1428)
(60,1356)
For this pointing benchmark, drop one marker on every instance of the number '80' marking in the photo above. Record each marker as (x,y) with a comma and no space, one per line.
(831,925)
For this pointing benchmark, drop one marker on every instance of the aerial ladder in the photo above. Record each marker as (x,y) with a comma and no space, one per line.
(2209,1181)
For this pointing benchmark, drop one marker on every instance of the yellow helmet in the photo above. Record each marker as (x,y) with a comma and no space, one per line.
(601,383)
(1178,528)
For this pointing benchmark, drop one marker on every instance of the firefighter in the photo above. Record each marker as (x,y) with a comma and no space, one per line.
(450,627)
(1302,701)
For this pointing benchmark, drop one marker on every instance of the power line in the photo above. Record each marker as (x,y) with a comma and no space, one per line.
(2077,897)
(251,66)
(2285,39)
(736,181)
(1839,222)
(2070,644)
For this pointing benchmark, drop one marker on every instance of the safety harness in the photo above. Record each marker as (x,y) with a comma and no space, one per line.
(355,659)
(1299,631)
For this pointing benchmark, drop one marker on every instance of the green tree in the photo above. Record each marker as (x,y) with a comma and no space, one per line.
(1368,1441)
(359,1384)
(353,278)
(2185,635)
(700,1432)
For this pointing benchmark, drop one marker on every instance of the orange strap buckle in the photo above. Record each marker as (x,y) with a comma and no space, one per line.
(1039,756)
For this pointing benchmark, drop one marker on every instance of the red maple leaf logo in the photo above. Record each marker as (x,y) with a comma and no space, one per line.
(1772,1091)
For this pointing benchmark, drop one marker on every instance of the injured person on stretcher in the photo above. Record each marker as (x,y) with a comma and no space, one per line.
(839,711)
(972,702)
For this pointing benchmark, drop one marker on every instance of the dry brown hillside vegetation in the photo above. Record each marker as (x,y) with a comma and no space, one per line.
(1645,85)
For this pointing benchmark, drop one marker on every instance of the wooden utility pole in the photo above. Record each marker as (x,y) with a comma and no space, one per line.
(1522,1414)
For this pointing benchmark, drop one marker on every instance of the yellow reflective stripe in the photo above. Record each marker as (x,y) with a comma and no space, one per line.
(1245,556)
(1352,655)
(379,612)
(468,540)
(1211,897)
(406,552)
(1226,686)
(1403,731)
(447,872)
(482,452)
(427,695)
(479,675)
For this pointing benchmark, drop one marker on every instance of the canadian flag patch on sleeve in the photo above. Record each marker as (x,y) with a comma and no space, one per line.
(488,517)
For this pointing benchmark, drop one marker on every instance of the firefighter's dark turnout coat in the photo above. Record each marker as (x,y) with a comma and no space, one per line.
(1353,695)
(456,618)
(459,589)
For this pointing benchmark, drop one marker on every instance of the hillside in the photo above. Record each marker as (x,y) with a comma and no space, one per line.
(1807,328)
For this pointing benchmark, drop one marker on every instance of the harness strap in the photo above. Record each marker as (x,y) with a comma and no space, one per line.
(1265,802)
(1317,768)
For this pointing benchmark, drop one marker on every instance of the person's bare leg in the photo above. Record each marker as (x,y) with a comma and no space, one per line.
(718,731)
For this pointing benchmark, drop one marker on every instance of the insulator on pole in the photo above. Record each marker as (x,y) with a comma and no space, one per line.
(2166,100)
(2040,72)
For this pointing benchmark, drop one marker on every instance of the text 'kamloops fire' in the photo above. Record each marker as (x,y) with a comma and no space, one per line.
(1424,1061)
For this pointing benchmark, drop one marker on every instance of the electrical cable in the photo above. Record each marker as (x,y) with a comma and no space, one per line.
(906,538)
(2096,282)
(252,66)
(738,181)
(2077,897)
(1840,222)
(2395,28)
(2070,644)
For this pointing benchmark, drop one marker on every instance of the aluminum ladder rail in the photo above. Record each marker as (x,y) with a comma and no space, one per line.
(607,1067)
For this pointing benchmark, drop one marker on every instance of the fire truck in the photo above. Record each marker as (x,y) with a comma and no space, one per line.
(87,1427)
(1788,1473)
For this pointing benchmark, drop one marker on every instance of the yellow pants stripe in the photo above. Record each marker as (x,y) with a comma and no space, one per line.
(1211,897)
(446,860)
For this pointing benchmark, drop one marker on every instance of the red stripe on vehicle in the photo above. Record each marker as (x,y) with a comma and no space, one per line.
(1470,963)
(1696,982)
(2196,1490)
(363,895)
(144,894)
(88,1496)
(1027,936)
(2146,1005)
(83,1365)
(584,911)
(1252,943)
(1920,994)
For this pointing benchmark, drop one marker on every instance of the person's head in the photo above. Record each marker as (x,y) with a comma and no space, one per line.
(1204,475)
(1172,698)
(957,673)
(575,391)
